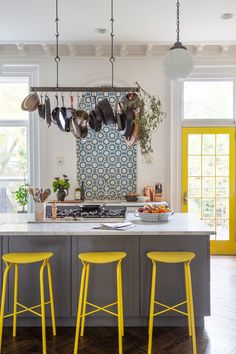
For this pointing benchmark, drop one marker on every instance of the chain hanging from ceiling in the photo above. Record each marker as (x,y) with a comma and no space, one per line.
(85,89)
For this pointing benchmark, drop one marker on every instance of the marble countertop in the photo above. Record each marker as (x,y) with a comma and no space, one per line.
(178,224)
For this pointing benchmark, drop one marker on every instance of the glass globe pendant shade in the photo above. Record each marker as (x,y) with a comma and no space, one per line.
(178,63)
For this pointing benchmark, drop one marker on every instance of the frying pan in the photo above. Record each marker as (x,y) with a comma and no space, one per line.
(98,119)
(74,128)
(92,119)
(48,110)
(41,108)
(107,112)
(129,123)
(134,135)
(130,100)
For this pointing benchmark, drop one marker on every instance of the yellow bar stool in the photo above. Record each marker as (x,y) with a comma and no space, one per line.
(173,257)
(13,260)
(99,258)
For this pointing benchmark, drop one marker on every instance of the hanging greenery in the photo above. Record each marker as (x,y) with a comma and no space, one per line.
(149,119)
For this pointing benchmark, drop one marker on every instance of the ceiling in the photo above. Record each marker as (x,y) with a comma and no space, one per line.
(148,21)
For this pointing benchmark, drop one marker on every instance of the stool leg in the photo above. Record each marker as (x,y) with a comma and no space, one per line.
(121,301)
(119,304)
(4,287)
(43,308)
(79,309)
(85,299)
(192,310)
(152,305)
(188,299)
(15,299)
(51,299)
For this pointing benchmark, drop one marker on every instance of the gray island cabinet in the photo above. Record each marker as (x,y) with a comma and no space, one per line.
(66,240)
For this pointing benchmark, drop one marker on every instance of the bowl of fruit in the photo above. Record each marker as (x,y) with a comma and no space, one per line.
(154,213)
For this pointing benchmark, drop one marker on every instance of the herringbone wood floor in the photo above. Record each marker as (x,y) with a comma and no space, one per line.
(218,336)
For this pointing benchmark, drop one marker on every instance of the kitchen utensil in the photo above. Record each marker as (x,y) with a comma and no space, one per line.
(129,123)
(98,119)
(41,108)
(134,135)
(55,110)
(44,195)
(130,101)
(74,127)
(31,102)
(106,111)
(48,110)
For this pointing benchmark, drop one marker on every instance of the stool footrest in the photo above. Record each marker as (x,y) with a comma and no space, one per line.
(170,308)
(29,309)
(98,308)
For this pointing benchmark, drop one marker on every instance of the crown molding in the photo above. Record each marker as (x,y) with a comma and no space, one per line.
(83,50)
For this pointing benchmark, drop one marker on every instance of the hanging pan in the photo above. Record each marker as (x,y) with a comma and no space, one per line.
(41,108)
(48,110)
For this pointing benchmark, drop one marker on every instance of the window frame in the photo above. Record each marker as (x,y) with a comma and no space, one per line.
(32,124)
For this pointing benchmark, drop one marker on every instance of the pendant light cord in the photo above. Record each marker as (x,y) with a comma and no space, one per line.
(57,58)
(177,20)
(112,58)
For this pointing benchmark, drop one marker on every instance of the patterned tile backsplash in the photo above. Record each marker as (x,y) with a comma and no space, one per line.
(105,163)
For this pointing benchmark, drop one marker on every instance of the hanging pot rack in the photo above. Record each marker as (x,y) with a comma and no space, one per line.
(71,89)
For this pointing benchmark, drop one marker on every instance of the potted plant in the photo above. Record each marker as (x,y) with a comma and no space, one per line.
(21,196)
(61,186)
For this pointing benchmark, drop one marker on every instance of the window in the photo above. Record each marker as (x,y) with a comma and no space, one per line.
(208,99)
(14,139)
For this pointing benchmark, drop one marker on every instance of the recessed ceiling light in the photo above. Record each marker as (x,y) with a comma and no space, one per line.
(101,30)
(227,16)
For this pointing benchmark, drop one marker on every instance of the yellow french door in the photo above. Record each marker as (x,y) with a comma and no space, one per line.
(208,181)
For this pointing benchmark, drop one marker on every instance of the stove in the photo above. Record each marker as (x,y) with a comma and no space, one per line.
(88,213)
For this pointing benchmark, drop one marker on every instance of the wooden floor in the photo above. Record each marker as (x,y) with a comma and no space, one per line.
(218,336)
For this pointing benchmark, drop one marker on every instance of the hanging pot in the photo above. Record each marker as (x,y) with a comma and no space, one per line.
(106,111)
(130,101)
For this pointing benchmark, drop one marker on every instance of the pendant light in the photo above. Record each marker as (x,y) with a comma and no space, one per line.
(178,62)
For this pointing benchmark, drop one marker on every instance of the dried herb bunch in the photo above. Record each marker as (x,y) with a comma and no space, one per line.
(149,118)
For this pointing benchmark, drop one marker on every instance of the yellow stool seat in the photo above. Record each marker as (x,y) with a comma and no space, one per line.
(102,257)
(25,258)
(171,257)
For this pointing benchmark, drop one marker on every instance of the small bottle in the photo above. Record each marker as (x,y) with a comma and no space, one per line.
(82,191)
(54,211)
(78,193)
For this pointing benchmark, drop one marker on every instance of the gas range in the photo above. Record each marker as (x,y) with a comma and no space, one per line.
(88,213)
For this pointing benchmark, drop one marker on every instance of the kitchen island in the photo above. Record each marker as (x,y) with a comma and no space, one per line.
(183,232)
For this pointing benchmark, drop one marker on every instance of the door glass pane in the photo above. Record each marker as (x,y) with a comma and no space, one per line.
(222,186)
(13,152)
(208,144)
(208,186)
(194,187)
(222,143)
(208,165)
(222,229)
(194,143)
(194,165)
(194,205)
(208,208)
(222,165)
(222,208)
(208,99)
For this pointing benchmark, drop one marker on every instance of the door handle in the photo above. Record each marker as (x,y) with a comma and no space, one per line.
(185,198)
